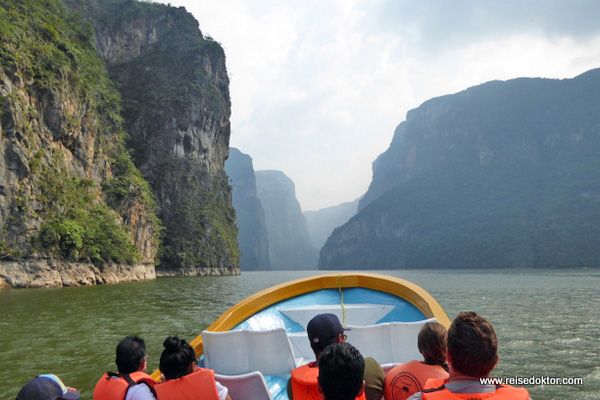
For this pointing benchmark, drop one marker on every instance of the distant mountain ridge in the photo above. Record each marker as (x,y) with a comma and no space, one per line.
(253,239)
(504,174)
(290,246)
(321,223)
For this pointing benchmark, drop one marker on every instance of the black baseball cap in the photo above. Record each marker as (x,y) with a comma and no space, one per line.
(322,329)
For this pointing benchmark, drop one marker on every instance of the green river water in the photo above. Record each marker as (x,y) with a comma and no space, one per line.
(547,322)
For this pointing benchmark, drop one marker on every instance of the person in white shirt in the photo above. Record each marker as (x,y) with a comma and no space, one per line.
(132,382)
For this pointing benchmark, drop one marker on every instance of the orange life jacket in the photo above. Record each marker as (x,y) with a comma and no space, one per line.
(502,392)
(305,383)
(199,385)
(434,383)
(406,379)
(114,386)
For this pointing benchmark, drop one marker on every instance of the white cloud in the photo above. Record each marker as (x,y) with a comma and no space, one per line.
(318,87)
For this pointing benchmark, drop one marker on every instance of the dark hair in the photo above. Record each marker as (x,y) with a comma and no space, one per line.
(341,371)
(130,354)
(432,342)
(472,345)
(176,358)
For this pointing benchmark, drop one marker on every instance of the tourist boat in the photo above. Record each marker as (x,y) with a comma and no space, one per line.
(253,346)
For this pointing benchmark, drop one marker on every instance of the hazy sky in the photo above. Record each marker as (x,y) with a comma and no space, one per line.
(318,87)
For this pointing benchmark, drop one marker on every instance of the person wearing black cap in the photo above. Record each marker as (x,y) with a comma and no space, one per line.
(47,387)
(323,330)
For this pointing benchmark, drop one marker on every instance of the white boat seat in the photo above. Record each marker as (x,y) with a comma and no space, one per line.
(241,352)
(356,314)
(301,346)
(247,386)
(388,343)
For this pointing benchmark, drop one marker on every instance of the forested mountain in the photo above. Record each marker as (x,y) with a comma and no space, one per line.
(252,237)
(290,246)
(505,174)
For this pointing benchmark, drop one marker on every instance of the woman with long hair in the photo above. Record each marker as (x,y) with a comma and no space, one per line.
(404,380)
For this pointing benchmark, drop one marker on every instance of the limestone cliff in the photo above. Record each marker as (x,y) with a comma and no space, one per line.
(176,110)
(290,246)
(504,174)
(74,210)
(252,238)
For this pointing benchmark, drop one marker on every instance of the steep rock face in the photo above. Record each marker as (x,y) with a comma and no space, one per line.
(176,108)
(322,222)
(69,194)
(252,238)
(289,243)
(504,174)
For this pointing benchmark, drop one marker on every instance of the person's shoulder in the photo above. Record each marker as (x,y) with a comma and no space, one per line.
(517,392)
(372,365)
(404,366)
(371,360)
(373,371)
(140,391)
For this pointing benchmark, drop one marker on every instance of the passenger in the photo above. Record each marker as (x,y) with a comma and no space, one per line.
(406,379)
(47,387)
(472,354)
(323,330)
(341,371)
(183,380)
(131,383)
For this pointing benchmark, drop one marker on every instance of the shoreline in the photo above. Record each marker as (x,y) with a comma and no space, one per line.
(54,272)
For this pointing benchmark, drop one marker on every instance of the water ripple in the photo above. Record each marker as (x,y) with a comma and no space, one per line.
(547,322)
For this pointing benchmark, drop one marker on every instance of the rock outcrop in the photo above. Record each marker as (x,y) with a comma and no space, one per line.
(252,238)
(290,246)
(70,197)
(176,110)
(505,174)
(38,273)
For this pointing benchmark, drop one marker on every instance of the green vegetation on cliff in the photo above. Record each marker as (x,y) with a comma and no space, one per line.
(74,184)
(202,218)
(62,116)
(79,225)
(55,47)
